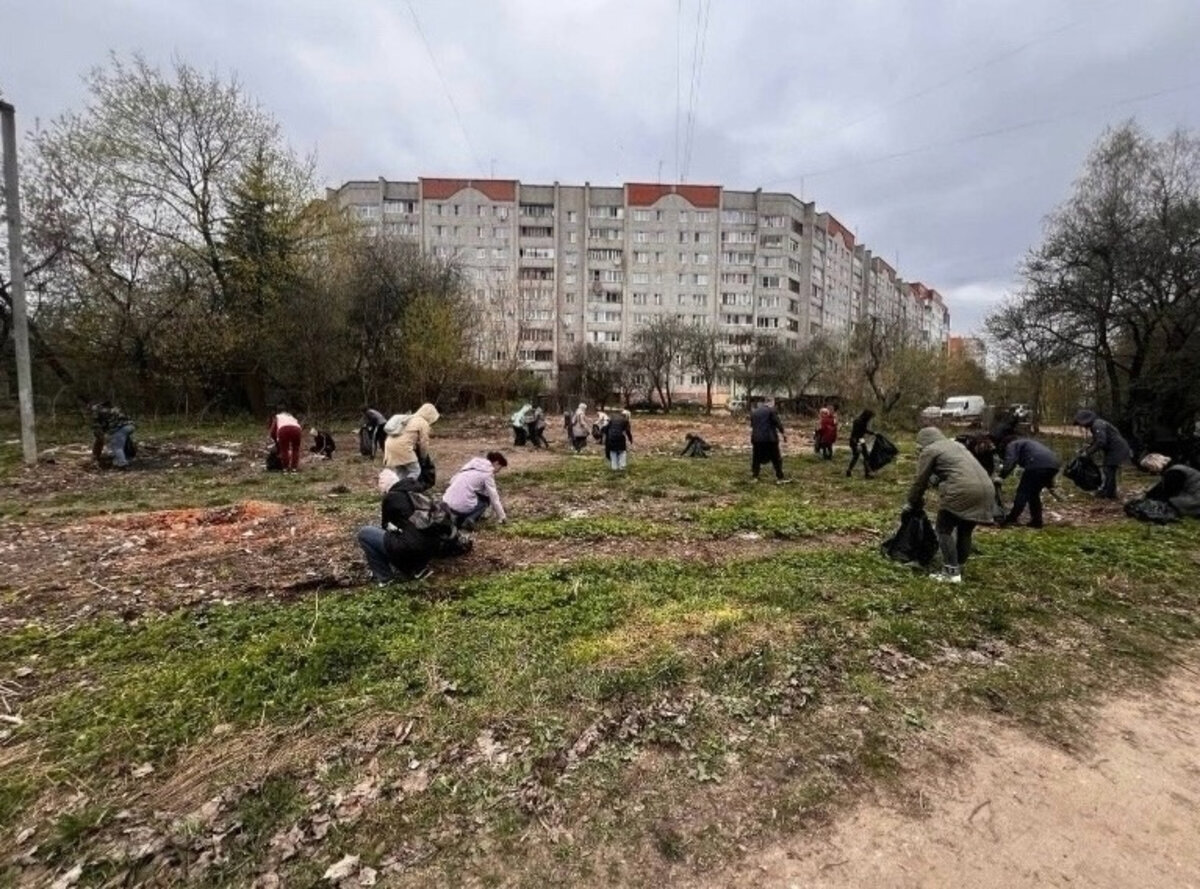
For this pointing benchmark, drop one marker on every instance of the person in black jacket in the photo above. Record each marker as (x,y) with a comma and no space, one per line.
(1107,440)
(859,430)
(414,529)
(618,434)
(1039,465)
(765,432)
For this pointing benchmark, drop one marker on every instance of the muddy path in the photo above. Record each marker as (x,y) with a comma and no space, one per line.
(1122,811)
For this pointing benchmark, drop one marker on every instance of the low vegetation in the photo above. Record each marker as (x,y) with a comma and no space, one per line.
(629,713)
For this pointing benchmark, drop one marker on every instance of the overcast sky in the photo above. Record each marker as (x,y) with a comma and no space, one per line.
(942,132)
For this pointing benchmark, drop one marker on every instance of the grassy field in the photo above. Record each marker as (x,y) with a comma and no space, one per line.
(638,678)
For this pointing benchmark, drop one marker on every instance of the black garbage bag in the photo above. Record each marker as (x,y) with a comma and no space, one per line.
(883,451)
(914,542)
(1084,472)
(366,440)
(274,461)
(1147,509)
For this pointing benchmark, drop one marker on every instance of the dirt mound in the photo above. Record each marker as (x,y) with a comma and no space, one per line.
(246,512)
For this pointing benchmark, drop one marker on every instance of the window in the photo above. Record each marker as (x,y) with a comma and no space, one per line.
(683,215)
(643,215)
(730,257)
(437,209)
(639,299)
(703,259)
(456,209)
(499,253)
(738,217)
(481,252)
(604,234)
(775,221)
(538,210)
(536,335)
(604,336)
(735,278)
(736,299)
(685,237)
(536,231)
(641,237)
(570,277)
(537,252)
(605,317)
(571,258)
(639,277)
(572,237)
(701,279)
(641,257)
(772,262)
(768,302)
(658,299)
(703,238)
(605,255)
(439,231)
(608,276)
(703,216)
(481,232)
(773,241)
(482,210)
(569,297)
(767,323)
(606,212)
(737,237)
(660,237)
(364,211)
(393,208)
(572,216)
(660,256)
(737,320)
(500,233)
(770,281)
(502,212)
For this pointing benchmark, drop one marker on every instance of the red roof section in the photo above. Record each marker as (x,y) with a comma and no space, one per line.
(494,189)
(833,226)
(644,194)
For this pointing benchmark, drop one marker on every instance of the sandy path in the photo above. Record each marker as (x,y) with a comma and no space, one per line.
(1125,813)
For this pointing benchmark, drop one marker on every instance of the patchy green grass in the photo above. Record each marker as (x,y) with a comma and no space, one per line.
(600,721)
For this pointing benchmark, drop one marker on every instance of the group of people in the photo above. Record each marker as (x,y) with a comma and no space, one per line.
(414,527)
(968,485)
(614,432)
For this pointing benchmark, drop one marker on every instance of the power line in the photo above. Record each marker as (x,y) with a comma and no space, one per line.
(987,134)
(446,86)
(697,75)
(954,78)
(678,76)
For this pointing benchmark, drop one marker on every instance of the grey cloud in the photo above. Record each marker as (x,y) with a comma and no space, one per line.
(587,91)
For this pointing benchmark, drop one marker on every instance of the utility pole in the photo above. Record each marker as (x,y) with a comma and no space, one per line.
(16,262)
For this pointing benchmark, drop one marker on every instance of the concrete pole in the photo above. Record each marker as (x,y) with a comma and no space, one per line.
(16,262)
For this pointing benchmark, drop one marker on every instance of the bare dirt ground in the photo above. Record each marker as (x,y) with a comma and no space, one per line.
(1124,812)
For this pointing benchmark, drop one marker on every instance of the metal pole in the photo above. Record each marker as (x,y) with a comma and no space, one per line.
(16,262)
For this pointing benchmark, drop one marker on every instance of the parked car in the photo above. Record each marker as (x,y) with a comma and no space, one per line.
(963,407)
(930,414)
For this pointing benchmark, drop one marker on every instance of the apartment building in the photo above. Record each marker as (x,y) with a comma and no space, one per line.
(969,348)
(552,266)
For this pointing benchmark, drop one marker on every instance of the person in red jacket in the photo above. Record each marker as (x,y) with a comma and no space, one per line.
(287,432)
(827,433)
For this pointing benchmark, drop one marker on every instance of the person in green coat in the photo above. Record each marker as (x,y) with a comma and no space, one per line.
(965,497)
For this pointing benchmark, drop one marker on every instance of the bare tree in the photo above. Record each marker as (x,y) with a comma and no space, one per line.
(660,354)
(706,354)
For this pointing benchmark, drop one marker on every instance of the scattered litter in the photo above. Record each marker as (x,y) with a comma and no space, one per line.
(347,867)
(217,452)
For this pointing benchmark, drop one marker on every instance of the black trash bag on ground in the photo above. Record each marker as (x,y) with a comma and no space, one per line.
(274,462)
(366,440)
(914,542)
(1147,509)
(883,451)
(1084,472)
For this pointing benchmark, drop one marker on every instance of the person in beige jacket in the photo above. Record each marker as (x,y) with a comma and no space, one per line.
(403,451)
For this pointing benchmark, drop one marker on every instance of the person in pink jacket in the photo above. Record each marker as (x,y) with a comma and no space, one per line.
(473,489)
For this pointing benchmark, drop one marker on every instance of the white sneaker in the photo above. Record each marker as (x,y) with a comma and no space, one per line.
(946,576)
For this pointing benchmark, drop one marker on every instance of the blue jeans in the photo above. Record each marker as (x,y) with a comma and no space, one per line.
(616,459)
(116,444)
(371,539)
(474,515)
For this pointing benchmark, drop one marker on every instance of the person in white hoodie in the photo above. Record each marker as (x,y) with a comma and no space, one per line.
(473,489)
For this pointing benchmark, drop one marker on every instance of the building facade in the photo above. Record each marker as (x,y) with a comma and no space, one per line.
(552,266)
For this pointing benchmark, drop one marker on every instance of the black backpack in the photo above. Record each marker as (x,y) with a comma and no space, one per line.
(1156,512)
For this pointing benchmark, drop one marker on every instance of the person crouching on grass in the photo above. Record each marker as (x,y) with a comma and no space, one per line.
(473,489)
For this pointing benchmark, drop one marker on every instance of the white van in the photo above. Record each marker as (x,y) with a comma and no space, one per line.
(963,407)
